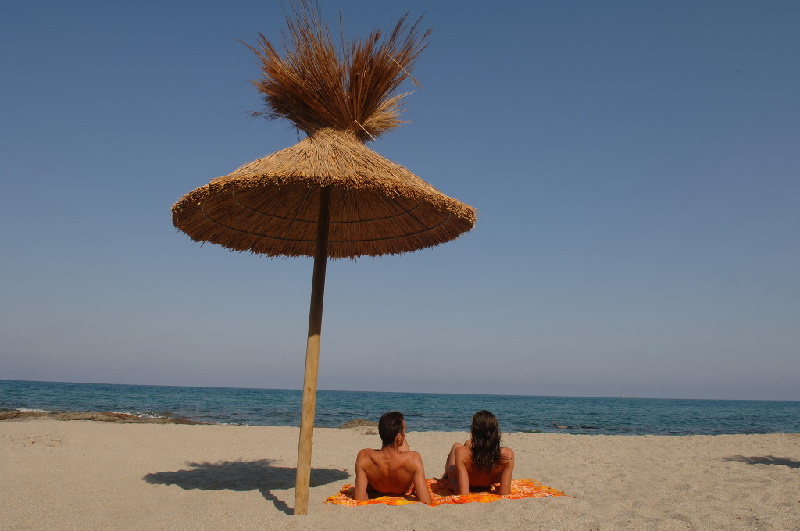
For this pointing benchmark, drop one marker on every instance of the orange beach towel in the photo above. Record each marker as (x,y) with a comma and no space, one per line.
(442,495)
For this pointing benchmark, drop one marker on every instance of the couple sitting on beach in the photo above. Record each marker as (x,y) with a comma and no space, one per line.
(475,465)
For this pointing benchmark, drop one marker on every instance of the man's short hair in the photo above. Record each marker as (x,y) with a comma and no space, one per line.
(390,426)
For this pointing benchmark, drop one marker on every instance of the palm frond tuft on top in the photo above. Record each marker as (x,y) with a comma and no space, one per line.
(352,88)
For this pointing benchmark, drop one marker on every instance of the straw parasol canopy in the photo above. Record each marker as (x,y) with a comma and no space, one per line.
(328,196)
(270,206)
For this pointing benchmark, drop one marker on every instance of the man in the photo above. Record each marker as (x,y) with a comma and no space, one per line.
(394,468)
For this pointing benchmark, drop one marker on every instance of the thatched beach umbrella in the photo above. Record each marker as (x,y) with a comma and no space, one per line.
(329,196)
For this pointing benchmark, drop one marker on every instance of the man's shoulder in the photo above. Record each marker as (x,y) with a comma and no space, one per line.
(410,456)
(367,453)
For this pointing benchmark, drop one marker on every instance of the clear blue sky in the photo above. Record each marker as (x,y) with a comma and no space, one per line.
(635,165)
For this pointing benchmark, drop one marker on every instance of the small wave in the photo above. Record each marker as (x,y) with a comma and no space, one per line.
(153,415)
(144,415)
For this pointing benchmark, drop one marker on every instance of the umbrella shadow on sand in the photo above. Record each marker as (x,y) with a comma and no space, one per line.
(258,475)
(764,460)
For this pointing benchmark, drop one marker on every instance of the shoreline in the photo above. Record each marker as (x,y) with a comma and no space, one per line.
(118,475)
(119,417)
(97,416)
(129,418)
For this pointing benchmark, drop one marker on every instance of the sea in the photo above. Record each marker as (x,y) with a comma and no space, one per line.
(423,412)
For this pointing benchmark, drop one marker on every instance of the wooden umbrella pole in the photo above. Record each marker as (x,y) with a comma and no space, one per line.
(303,478)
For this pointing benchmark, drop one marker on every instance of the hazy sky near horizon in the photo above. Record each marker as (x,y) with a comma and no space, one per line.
(635,166)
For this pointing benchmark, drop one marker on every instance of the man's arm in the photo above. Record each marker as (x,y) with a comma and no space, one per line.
(505,476)
(360,493)
(420,485)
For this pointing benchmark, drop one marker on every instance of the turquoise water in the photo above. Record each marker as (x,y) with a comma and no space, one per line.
(424,412)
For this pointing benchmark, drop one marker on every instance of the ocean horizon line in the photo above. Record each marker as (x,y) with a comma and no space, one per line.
(298,390)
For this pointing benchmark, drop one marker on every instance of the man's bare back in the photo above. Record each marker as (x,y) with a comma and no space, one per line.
(391,470)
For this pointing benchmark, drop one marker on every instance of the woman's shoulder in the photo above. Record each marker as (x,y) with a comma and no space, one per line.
(463,450)
(506,452)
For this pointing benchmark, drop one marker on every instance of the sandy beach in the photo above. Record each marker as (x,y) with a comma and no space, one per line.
(98,475)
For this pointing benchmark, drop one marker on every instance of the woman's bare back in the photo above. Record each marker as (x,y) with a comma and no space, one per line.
(465,476)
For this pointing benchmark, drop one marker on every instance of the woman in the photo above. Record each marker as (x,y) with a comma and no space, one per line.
(480,462)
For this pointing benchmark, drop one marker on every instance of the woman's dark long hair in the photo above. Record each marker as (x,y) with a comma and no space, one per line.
(485,441)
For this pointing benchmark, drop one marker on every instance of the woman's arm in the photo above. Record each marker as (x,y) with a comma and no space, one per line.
(505,476)
(463,456)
